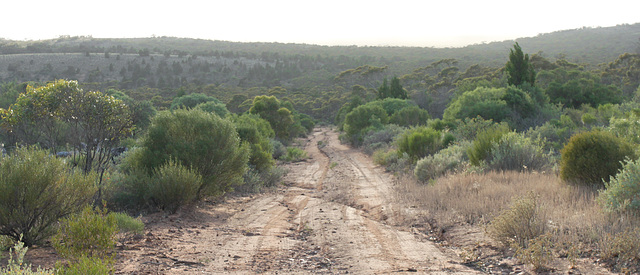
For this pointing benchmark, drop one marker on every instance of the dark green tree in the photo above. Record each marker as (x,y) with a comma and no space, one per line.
(519,69)
(393,90)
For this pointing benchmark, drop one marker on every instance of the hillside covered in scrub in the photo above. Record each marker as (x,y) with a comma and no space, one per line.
(515,156)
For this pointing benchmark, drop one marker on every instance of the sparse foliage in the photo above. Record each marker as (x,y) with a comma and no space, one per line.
(36,190)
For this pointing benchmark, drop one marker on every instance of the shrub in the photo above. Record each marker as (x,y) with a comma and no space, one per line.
(469,128)
(622,193)
(17,266)
(420,142)
(487,103)
(256,131)
(482,145)
(127,223)
(36,190)
(174,185)
(255,181)
(88,233)
(214,107)
(130,189)
(199,140)
(279,149)
(519,224)
(192,100)
(392,160)
(410,116)
(361,118)
(86,265)
(294,154)
(594,156)
(538,253)
(380,138)
(516,152)
(440,163)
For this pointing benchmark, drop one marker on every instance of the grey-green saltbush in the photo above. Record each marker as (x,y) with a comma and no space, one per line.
(438,164)
(622,193)
(516,152)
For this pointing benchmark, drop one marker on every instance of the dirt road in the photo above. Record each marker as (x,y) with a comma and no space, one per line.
(335,215)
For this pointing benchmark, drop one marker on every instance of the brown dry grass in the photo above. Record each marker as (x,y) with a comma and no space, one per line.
(574,219)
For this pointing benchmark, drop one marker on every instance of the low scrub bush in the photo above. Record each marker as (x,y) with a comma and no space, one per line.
(201,141)
(87,240)
(361,119)
(440,163)
(381,138)
(174,185)
(392,160)
(410,116)
(16,266)
(86,265)
(482,145)
(516,152)
(538,253)
(622,193)
(420,142)
(279,149)
(256,181)
(88,233)
(592,157)
(127,223)
(294,154)
(129,190)
(522,222)
(36,190)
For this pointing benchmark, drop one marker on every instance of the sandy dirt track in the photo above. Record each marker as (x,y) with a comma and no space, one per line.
(334,215)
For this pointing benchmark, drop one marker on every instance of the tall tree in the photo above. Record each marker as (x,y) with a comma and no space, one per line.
(93,122)
(394,90)
(518,68)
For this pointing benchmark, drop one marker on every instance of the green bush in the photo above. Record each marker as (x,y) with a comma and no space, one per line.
(410,116)
(204,142)
(174,185)
(482,145)
(469,128)
(86,265)
(360,119)
(440,163)
(256,131)
(294,154)
(91,232)
(516,152)
(214,107)
(192,100)
(487,103)
(420,142)
(130,189)
(593,157)
(36,190)
(127,223)
(622,193)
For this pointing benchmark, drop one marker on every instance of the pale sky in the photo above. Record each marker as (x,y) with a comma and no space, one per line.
(444,23)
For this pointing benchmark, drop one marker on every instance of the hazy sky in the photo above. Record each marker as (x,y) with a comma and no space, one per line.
(329,22)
